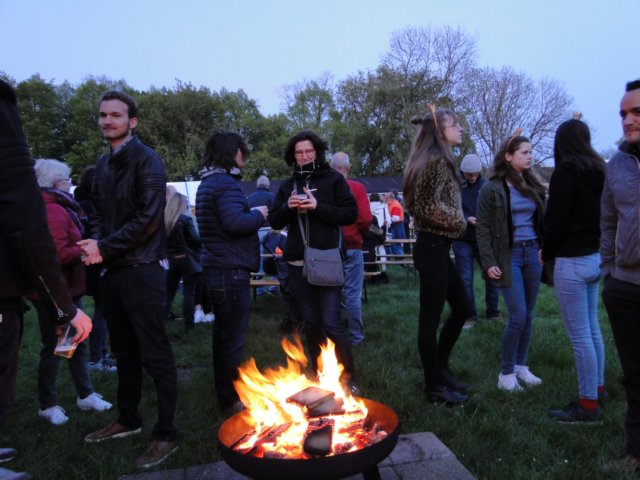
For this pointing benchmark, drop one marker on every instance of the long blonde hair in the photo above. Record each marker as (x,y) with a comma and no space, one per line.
(429,144)
(176,206)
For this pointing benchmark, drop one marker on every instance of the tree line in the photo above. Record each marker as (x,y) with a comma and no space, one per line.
(367,114)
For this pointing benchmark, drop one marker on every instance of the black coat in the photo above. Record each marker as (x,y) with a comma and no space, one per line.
(129,201)
(28,259)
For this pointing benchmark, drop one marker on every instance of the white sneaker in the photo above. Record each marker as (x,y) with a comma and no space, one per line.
(198,314)
(209,317)
(509,383)
(55,415)
(93,402)
(528,378)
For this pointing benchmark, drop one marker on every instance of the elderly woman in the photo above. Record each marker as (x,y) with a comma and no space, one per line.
(327,204)
(64,217)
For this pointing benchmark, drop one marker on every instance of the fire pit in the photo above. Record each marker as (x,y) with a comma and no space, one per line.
(296,428)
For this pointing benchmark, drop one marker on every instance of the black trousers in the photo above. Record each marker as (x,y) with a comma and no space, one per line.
(11,325)
(622,301)
(134,302)
(439,282)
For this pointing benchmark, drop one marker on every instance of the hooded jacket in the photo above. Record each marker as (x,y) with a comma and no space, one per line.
(28,259)
(572,216)
(620,215)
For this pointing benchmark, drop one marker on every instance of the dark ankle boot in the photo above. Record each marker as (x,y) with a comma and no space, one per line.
(443,394)
(453,382)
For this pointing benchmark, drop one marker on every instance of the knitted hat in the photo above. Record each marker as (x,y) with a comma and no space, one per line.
(471,164)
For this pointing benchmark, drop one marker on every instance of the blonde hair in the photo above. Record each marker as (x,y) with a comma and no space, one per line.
(49,171)
(176,206)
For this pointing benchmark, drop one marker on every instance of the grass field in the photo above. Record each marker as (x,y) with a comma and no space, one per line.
(495,435)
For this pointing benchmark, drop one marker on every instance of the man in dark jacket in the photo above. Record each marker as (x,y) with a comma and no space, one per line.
(28,259)
(128,238)
(465,248)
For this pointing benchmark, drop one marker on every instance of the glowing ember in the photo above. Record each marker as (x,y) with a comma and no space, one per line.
(294,417)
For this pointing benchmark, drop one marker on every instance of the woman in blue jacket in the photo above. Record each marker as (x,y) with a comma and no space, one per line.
(230,252)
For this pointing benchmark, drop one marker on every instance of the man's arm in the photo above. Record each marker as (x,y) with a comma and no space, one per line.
(608,225)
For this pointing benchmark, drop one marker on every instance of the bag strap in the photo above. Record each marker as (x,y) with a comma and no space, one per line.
(304,233)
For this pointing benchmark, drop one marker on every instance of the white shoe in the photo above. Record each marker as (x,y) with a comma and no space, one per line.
(198,315)
(509,383)
(93,402)
(529,379)
(209,317)
(55,415)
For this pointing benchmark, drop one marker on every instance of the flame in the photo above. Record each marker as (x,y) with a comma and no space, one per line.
(265,394)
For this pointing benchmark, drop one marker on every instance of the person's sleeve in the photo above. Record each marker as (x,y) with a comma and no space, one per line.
(280,215)
(343,211)
(483,228)
(27,235)
(364,217)
(59,225)
(608,226)
(235,215)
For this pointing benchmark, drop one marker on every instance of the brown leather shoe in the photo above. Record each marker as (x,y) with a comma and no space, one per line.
(113,430)
(156,453)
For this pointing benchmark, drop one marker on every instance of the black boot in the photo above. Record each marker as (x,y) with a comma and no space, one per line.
(443,394)
(453,382)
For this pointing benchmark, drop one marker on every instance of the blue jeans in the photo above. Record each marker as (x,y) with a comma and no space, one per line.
(576,281)
(229,293)
(48,366)
(465,253)
(397,232)
(520,298)
(319,309)
(352,293)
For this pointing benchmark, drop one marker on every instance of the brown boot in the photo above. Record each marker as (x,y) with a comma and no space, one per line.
(156,453)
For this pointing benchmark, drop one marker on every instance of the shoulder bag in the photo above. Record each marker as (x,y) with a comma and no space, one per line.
(321,267)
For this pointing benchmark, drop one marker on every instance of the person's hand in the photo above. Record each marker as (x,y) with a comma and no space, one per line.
(262,209)
(294,201)
(83,325)
(540,257)
(90,252)
(471,220)
(311,202)
(494,273)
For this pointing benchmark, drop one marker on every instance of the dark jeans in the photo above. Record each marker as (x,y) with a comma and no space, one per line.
(397,232)
(189,283)
(98,338)
(439,282)
(230,294)
(622,301)
(48,366)
(11,312)
(465,253)
(319,309)
(135,308)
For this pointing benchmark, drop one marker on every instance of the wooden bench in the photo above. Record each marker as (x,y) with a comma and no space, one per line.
(261,282)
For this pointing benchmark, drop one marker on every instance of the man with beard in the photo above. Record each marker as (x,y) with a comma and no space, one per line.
(128,238)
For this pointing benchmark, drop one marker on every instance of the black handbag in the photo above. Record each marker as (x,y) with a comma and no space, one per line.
(322,267)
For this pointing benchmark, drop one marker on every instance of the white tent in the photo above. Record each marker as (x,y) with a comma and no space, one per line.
(188,189)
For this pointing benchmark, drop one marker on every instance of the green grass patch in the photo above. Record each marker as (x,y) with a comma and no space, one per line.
(495,435)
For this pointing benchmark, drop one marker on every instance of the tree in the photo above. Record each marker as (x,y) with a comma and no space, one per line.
(497,102)
(309,104)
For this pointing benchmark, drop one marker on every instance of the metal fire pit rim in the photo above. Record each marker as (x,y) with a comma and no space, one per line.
(321,468)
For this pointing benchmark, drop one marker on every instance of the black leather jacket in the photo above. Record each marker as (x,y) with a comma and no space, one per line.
(28,259)
(129,200)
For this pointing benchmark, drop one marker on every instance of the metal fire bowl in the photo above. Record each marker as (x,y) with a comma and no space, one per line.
(320,468)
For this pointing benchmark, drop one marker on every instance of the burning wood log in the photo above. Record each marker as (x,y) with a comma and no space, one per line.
(311,397)
(333,406)
(318,442)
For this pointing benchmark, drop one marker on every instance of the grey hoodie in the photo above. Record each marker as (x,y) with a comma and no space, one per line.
(620,216)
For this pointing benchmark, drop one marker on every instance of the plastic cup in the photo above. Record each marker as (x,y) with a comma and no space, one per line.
(65,347)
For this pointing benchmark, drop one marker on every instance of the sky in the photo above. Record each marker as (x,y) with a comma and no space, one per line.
(259,46)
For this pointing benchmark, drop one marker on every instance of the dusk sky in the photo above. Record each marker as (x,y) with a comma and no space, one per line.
(589,46)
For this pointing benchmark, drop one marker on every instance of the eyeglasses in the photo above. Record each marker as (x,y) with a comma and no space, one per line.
(304,153)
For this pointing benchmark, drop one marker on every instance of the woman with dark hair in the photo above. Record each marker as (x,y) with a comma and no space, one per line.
(572,240)
(432,196)
(230,252)
(318,200)
(509,233)
(183,248)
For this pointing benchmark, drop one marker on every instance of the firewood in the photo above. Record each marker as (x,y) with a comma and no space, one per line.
(311,397)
